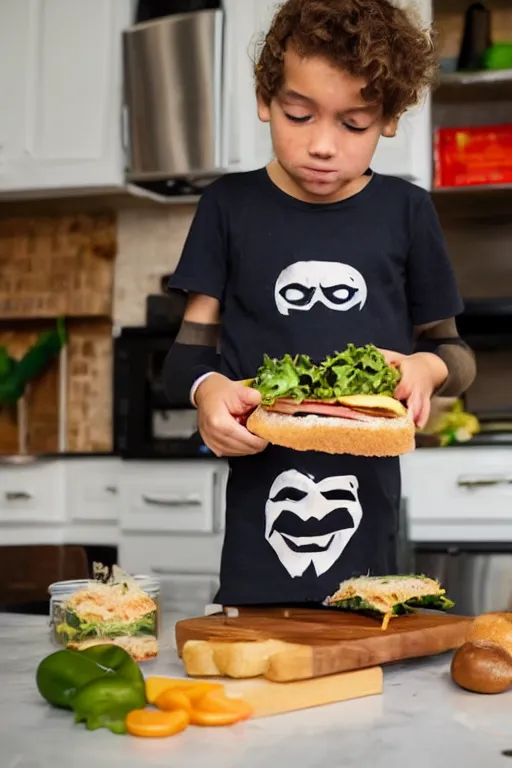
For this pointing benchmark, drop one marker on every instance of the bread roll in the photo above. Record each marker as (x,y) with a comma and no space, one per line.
(377,437)
(484,663)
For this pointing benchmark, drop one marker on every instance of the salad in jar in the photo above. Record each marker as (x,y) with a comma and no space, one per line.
(111,608)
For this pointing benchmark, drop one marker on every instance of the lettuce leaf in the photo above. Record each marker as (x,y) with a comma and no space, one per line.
(432,602)
(356,371)
(77,629)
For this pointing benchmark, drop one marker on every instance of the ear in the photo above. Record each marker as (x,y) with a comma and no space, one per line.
(390,128)
(263,109)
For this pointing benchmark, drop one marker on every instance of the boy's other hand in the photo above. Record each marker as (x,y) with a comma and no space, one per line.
(223,406)
(422,373)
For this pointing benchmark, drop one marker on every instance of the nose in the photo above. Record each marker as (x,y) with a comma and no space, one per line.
(322,143)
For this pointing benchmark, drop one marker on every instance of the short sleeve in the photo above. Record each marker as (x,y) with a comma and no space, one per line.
(432,286)
(202,267)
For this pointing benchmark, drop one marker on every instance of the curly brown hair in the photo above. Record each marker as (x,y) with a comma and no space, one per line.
(371,39)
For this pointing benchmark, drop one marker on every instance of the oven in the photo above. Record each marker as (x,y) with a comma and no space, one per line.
(146,424)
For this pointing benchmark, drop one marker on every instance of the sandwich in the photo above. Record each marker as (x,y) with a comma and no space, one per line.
(389,596)
(116,612)
(344,404)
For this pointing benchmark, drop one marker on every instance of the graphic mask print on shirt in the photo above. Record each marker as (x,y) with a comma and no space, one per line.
(311,523)
(305,283)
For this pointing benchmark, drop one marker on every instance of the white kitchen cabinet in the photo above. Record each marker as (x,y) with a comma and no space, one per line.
(61,94)
(32,494)
(459,494)
(188,593)
(409,154)
(171,527)
(173,497)
(247,142)
(92,490)
(165,555)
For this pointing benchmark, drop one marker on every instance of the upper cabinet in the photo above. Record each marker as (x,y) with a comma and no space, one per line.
(61,94)
(61,98)
(247,141)
(409,154)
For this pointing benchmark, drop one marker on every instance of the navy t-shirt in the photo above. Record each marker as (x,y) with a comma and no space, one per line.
(296,277)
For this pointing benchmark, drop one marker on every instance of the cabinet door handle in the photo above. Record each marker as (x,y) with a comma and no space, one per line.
(483,482)
(169,502)
(111,489)
(17,496)
(163,571)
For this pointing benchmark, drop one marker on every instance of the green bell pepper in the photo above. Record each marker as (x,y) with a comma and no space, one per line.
(112,658)
(63,674)
(105,702)
(60,675)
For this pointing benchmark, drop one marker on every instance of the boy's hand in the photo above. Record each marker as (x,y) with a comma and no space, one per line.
(422,373)
(222,407)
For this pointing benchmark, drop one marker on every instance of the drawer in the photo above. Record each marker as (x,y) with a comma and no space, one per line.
(186,567)
(187,593)
(32,493)
(166,554)
(92,490)
(459,485)
(167,497)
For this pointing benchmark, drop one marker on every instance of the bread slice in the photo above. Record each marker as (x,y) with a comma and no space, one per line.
(378,437)
(140,648)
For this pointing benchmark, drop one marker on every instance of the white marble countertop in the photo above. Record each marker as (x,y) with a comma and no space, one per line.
(421,720)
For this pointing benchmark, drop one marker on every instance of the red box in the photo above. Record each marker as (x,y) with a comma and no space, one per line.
(467,157)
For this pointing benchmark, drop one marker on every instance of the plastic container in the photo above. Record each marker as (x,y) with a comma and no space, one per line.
(100,616)
(473,156)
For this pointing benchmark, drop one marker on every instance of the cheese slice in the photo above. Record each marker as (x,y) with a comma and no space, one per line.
(370,402)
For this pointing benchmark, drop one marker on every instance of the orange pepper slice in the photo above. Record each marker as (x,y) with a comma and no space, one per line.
(197,717)
(151,723)
(197,691)
(172,699)
(218,702)
(157,685)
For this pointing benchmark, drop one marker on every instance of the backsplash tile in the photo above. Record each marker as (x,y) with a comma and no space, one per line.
(150,240)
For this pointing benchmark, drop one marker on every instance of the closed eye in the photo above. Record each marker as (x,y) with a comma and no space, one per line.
(289,494)
(354,128)
(295,119)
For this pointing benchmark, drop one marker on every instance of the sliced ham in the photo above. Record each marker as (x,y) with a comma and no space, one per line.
(380,412)
(291,407)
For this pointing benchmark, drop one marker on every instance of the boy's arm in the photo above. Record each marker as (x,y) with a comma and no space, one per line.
(194,354)
(433,293)
(442,339)
(223,403)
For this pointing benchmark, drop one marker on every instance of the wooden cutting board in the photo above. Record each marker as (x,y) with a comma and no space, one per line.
(299,644)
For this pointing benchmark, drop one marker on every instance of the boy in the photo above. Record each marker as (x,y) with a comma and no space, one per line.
(269,266)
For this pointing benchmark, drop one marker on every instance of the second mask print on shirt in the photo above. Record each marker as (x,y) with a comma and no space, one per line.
(310,523)
(302,285)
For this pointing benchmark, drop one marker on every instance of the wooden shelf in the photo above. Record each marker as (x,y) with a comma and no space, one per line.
(485,85)
(482,201)
(482,77)
(477,189)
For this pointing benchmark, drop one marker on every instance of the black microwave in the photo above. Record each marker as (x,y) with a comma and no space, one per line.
(146,424)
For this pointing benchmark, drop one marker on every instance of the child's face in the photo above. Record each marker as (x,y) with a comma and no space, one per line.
(324,134)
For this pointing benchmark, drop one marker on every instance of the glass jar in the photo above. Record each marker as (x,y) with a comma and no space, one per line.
(98,615)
